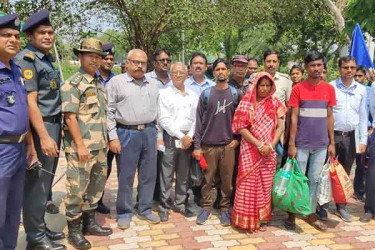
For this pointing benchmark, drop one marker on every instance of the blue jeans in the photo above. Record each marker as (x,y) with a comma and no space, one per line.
(138,151)
(316,159)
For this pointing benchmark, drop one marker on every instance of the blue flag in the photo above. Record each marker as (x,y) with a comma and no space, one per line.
(359,48)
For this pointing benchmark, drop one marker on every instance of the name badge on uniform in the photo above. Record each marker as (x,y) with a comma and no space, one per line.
(53,84)
(4,80)
(11,100)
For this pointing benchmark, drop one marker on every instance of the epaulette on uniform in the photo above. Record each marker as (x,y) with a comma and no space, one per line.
(29,56)
(76,79)
(284,75)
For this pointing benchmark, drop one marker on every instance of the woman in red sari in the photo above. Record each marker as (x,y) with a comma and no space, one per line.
(259,119)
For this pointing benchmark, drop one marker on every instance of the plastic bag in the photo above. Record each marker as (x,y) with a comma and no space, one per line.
(196,173)
(324,192)
(296,198)
(342,187)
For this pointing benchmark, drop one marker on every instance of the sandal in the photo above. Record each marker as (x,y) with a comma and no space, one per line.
(263,228)
(290,225)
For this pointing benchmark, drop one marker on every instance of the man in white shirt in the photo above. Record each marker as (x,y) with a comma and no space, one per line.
(176,116)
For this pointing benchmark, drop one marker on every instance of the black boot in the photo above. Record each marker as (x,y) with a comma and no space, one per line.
(44,244)
(90,227)
(75,236)
(54,235)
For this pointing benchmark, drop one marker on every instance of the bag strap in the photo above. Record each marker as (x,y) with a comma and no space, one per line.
(206,96)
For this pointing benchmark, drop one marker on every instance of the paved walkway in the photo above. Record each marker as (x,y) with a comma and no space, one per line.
(182,233)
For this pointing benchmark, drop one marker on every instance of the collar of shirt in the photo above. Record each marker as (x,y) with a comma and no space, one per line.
(177,91)
(348,90)
(111,74)
(155,76)
(39,53)
(129,78)
(193,82)
(13,67)
(88,77)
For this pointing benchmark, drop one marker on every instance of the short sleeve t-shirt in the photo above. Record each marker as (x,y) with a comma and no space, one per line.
(313,102)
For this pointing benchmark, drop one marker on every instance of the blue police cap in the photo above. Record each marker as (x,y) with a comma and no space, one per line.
(109,47)
(11,21)
(39,18)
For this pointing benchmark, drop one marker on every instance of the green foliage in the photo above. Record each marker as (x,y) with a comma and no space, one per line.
(362,12)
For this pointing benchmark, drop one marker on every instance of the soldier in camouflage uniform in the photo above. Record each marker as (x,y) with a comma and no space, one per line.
(84,106)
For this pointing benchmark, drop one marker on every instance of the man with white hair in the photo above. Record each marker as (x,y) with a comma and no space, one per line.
(177,112)
(132,110)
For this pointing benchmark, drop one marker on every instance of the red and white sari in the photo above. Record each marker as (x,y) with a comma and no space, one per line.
(252,204)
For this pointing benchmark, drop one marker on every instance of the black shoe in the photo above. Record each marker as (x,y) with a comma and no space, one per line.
(164,216)
(102,209)
(45,244)
(365,218)
(54,235)
(75,236)
(187,212)
(52,208)
(90,227)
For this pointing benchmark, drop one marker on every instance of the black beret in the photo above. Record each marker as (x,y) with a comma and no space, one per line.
(109,47)
(11,21)
(39,18)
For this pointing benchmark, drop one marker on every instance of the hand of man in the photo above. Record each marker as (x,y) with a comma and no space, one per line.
(234,144)
(31,155)
(292,152)
(197,153)
(186,142)
(49,146)
(362,148)
(115,146)
(83,153)
(332,150)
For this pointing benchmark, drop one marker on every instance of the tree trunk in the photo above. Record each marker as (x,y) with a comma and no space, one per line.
(339,19)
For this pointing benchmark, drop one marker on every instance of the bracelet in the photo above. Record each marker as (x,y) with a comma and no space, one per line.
(271,147)
(261,146)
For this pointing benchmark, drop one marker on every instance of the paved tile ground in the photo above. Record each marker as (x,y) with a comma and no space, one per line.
(182,233)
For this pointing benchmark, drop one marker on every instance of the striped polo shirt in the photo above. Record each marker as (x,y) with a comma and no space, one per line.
(313,102)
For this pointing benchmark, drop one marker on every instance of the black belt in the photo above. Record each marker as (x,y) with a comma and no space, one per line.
(12,138)
(52,119)
(342,133)
(135,127)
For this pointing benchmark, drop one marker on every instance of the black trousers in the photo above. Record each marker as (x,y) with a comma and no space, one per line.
(110,157)
(346,152)
(37,187)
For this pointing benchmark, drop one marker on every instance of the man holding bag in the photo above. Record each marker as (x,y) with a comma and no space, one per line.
(350,117)
(311,130)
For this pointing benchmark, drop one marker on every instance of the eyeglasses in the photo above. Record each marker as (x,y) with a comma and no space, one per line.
(164,60)
(137,63)
(347,67)
(181,73)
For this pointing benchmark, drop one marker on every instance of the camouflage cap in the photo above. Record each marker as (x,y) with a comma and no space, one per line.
(91,45)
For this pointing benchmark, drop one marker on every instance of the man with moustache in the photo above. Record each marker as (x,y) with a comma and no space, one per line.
(214,140)
(132,110)
(311,129)
(84,104)
(350,116)
(198,81)
(283,83)
(239,68)
(252,69)
(15,155)
(161,60)
(176,112)
(105,74)
(42,81)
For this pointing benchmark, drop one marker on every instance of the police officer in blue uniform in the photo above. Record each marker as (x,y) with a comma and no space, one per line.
(105,74)
(42,82)
(14,124)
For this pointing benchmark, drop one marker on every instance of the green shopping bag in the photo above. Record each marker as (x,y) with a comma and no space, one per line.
(290,191)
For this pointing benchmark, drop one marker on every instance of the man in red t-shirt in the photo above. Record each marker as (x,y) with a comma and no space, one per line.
(311,130)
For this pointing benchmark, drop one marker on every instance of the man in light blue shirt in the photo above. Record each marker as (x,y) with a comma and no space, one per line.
(161,61)
(198,81)
(350,115)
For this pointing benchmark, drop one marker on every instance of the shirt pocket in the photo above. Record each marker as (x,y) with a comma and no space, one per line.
(90,103)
